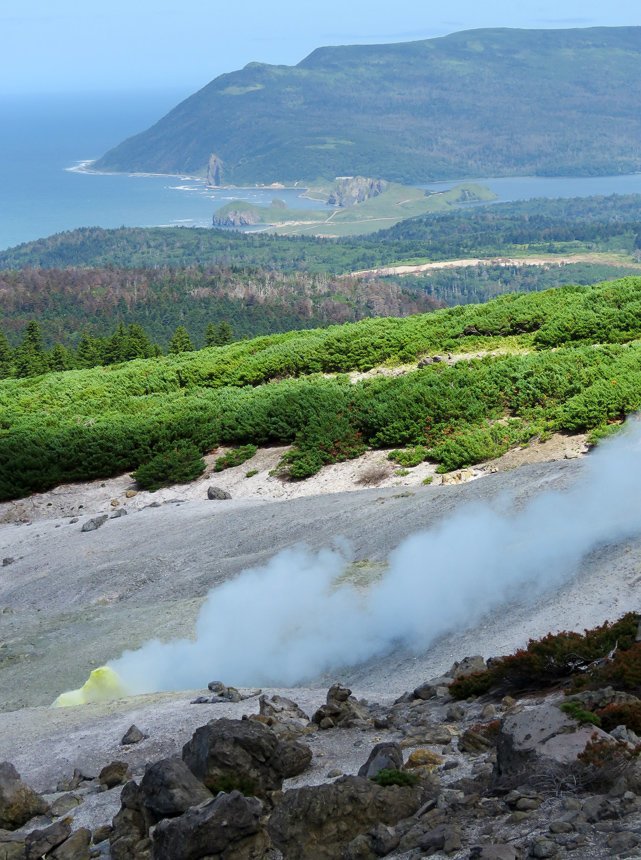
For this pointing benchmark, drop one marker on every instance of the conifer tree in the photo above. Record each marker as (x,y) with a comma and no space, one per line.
(218,334)
(60,358)
(180,341)
(90,351)
(6,357)
(30,358)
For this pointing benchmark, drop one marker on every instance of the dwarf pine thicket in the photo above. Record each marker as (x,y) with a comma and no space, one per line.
(565,359)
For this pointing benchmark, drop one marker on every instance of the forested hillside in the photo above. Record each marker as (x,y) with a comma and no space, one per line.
(74,301)
(475,103)
(520,366)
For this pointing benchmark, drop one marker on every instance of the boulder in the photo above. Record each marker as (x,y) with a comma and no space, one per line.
(18,802)
(133,735)
(243,754)
(544,736)
(113,774)
(40,843)
(384,756)
(319,821)
(494,852)
(467,666)
(95,523)
(341,710)
(169,788)
(129,836)
(217,494)
(77,847)
(283,716)
(227,827)
(11,847)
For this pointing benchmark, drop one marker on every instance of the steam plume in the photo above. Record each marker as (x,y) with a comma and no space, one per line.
(290,620)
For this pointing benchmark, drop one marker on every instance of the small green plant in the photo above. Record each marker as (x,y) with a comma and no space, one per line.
(235,457)
(427,481)
(408,457)
(401,473)
(576,710)
(179,464)
(388,777)
(251,473)
(229,782)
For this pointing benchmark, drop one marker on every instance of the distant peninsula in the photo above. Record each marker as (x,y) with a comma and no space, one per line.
(360,205)
(476,103)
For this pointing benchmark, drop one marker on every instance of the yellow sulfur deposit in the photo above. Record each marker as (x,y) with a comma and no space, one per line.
(103,685)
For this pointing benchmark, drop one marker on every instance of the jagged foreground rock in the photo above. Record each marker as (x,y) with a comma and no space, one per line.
(484,780)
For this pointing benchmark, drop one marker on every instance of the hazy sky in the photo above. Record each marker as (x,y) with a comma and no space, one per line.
(70,45)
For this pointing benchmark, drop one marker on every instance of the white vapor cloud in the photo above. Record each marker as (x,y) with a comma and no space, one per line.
(290,620)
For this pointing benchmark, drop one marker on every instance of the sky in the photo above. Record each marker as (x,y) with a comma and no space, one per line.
(68,46)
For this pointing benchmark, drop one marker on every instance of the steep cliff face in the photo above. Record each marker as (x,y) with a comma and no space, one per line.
(350,190)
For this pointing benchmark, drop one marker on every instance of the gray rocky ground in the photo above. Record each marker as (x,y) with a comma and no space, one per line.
(72,600)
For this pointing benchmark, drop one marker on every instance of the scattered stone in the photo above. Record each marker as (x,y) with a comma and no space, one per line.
(114,503)
(95,523)
(424,759)
(113,774)
(133,735)
(445,838)
(169,788)
(130,494)
(227,826)
(335,773)
(73,521)
(18,802)
(488,712)
(101,833)
(62,805)
(8,560)
(468,666)
(455,713)
(437,688)
(217,494)
(341,710)
(121,512)
(384,756)
(129,836)
(542,848)
(494,852)
(623,842)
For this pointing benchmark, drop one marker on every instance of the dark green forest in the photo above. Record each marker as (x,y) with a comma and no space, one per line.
(533,226)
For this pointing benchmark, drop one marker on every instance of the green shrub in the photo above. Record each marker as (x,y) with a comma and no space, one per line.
(235,457)
(576,710)
(388,777)
(251,473)
(177,465)
(409,457)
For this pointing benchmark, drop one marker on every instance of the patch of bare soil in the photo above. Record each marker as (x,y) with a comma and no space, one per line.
(372,469)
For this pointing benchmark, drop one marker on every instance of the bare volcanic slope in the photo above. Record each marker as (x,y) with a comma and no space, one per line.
(475,103)
(71,601)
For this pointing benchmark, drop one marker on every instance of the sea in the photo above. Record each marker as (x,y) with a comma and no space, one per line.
(47,141)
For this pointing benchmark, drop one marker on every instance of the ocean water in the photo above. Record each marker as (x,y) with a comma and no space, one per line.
(43,139)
